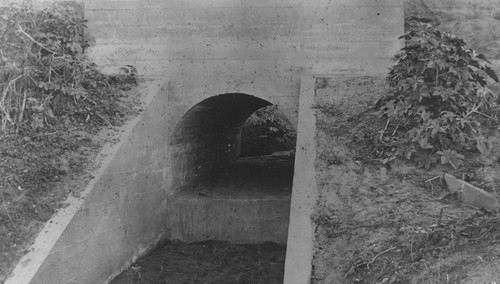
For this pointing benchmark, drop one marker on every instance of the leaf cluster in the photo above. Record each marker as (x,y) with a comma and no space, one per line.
(45,76)
(267,127)
(439,104)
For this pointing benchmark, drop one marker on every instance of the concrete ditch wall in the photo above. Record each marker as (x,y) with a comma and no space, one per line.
(197,49)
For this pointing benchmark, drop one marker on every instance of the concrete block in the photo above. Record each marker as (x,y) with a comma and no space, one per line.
(471,194)
(238,220)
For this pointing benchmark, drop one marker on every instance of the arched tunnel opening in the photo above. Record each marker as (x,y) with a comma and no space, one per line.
(233,137)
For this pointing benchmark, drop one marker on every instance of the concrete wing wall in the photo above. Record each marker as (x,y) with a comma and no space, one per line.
(119,216)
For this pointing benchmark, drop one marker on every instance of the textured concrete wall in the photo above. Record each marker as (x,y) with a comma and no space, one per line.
(198,49)
(238,220)
(300,243)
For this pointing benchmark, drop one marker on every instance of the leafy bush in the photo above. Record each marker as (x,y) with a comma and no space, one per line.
(45,75)
(439,105)
(268,130)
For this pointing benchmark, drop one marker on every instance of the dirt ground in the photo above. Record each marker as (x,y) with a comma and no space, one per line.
(391,223)
(397,224)
(208,262)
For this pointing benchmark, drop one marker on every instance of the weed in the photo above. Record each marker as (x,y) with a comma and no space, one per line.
(439,106)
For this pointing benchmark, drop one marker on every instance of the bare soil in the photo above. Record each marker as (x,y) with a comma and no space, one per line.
(398,224)
(391,223)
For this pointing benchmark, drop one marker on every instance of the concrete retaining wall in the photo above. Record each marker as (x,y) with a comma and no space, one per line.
(197,49)
(238,220)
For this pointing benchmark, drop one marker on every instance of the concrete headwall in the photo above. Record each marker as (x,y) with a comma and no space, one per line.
(258,48)
(197,49)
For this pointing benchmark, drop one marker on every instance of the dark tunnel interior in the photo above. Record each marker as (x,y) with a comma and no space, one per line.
(208,138)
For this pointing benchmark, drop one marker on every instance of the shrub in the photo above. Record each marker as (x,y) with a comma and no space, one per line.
(45,75)
(439,105)
(266,131)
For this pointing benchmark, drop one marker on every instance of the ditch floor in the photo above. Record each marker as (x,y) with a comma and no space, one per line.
(208,262)
(213,261)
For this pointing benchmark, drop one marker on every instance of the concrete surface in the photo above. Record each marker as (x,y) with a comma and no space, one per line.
(470,194)
(251,53)
(299,251)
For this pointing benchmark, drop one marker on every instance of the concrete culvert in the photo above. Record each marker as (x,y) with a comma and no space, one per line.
(208,136)
(222,197)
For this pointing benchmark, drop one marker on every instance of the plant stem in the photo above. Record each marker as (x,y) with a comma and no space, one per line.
(33,40)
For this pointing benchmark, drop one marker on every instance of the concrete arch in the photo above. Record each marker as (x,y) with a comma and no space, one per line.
(243,200)
(181,98)
(205,123)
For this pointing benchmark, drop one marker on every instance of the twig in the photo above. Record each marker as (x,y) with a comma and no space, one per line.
(490,117)
(6,210)
(395,129)
(474,109)
(432,185)
(5,91)
(21,113)
(354,267)
(431,179)
(33,40)
(367,263)
(44,134)
(381,253)
(440,217)
(107,121)
(385,128)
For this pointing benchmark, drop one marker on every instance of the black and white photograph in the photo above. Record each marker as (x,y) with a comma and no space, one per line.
(249,141)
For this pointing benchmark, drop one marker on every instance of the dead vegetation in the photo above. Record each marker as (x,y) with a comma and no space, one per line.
(52,101)
(392,223)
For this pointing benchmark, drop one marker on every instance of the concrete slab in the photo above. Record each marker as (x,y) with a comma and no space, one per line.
(471,195)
